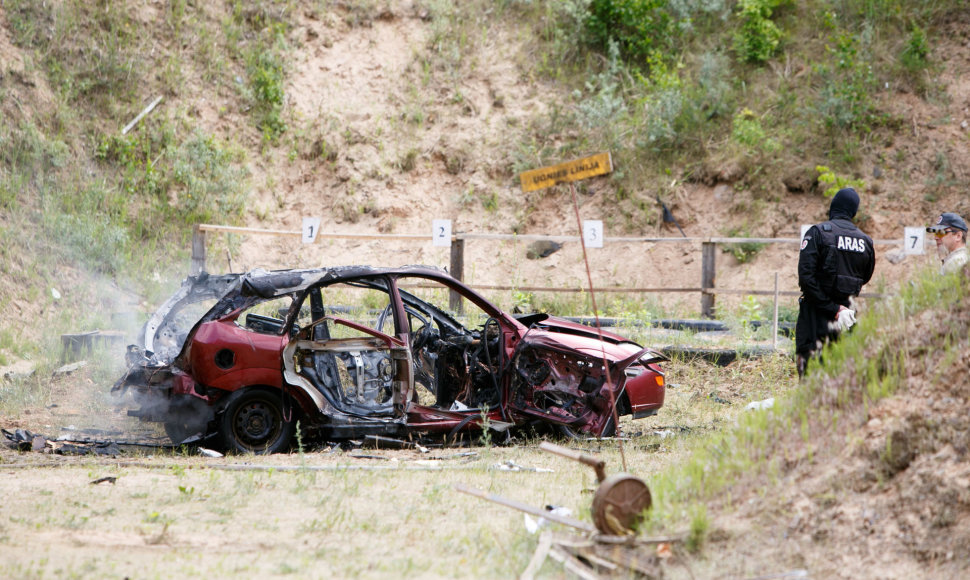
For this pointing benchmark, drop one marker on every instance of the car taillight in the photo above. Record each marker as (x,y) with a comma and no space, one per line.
(632,372)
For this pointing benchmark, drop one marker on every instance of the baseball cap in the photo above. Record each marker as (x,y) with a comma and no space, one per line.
(948,220)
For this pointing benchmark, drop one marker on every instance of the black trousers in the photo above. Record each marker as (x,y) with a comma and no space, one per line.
(812,329)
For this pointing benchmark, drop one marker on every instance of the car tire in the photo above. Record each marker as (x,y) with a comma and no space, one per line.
(254,422)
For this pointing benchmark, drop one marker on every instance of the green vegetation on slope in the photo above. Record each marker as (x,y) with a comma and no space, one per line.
(919,336)
(673,88)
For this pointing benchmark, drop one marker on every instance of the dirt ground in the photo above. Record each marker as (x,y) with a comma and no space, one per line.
(327,513)
(352,83)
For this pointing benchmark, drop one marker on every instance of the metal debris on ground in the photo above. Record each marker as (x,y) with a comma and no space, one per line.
(70,368)
(532,525)
(380,442)
(611,547)
(109,449)
(24,440)
(108,479)
(513,466)
(209,452)
(462,455)
(365,456)
(759,405)
(620,500)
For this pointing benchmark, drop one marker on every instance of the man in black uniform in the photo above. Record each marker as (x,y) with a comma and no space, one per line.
(835,261)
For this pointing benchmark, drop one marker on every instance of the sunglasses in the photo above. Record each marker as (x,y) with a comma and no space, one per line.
(944,233)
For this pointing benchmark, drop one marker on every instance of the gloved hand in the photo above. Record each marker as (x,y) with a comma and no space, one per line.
(844,319)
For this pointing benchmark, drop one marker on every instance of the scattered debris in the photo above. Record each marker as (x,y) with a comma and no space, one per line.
(757,405)
(611,547)
(618,504)
(109,449)
(151,106)
(513,466)
(24,440)
(668,217)
(365,456)
(209,452)
(108,479)
(17,371)
(593,558)
(532,526)
(70,368)
(620,500)
(542,249)
(378,442)
(494,498)
(462,455)
(38,443)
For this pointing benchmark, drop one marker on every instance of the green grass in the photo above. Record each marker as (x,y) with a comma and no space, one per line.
(868,365)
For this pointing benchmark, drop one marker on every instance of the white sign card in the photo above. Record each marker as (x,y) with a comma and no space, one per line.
(310,228)
(914,240)
(441,233)
(593,233)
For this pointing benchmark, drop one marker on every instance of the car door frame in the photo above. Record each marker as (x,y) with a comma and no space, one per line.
(403,382)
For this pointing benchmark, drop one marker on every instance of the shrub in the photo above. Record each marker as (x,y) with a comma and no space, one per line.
(266,79)
(758,37)
(639,27)
(90,240)
(742,251)
(748,132)
(209,180)
(916,51)
(845,101)
(836,182)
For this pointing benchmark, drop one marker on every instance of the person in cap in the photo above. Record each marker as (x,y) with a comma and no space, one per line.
(835,261)
(951,241)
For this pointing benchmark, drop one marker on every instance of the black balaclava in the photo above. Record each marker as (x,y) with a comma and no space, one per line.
(844,204)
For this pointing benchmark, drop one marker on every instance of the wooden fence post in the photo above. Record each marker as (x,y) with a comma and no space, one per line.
(457,271)
(198,250)
(708,276)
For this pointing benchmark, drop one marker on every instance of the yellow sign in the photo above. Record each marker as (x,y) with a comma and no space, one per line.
(598,164)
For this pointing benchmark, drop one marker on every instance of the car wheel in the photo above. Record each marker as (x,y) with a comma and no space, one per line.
(253,422)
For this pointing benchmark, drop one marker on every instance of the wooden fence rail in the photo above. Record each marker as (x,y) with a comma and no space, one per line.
(707,288)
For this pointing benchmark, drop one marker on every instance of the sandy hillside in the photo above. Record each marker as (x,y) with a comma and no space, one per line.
(388,146)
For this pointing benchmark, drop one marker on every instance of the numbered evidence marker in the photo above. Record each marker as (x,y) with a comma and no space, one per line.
(310,228)
(593,233)
(805,228)
(441,233)
(913,240)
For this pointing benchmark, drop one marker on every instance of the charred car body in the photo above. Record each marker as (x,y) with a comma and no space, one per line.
(355,351)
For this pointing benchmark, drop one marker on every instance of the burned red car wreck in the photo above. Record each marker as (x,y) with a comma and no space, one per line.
(242,359)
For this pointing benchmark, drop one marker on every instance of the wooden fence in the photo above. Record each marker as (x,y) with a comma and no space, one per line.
(707,288)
